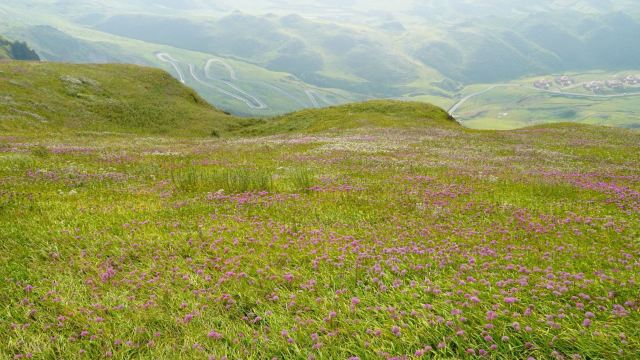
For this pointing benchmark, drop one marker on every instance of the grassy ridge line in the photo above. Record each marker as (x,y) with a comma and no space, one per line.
(134,99)
(370,114)
(113,98)
(131,99)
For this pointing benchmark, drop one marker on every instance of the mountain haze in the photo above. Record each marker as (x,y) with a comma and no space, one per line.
(265,58)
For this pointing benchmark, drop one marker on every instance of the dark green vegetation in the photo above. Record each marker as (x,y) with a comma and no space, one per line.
(16,51)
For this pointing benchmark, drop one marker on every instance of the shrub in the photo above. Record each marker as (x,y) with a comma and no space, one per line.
(236,180)
(40,151)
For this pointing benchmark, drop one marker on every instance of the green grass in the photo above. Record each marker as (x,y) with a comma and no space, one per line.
(372,230)
(226,180)
(371,114)
(122,98)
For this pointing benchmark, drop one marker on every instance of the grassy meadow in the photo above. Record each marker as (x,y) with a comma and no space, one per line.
(380,230)
(374,243)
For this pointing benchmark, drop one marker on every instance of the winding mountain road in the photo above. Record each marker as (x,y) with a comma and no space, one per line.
(314,96)
(165,57)
(226,65)
(251,101)
(461,102)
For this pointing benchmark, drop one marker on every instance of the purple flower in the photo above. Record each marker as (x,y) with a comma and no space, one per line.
(395,330)
(108,274)
(214,335)
(188,318)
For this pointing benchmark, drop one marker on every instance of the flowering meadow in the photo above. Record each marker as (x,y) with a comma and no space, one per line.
(368,243)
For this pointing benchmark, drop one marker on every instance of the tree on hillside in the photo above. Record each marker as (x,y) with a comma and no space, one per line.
(21,51)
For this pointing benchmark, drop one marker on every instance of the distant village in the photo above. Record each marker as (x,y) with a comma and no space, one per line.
(565,81)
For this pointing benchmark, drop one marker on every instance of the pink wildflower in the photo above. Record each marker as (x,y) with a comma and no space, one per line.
(214,335)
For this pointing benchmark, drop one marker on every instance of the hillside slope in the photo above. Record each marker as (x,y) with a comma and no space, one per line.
(120,98)
(369,114)
(133,99)
(333,245)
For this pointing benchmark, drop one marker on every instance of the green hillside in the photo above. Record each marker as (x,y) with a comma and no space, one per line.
(370,114)
(128,231)
(160,247)
(122,98)
(129,98)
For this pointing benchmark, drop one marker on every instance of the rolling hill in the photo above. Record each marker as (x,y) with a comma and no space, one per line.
(142,100)
(372,230)
(123,98)
(377,114)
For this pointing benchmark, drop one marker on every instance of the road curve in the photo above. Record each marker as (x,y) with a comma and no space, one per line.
(251,101)
(283,92)
(229,68)
(258,105)
(165,57)
(314,96)
(457,105)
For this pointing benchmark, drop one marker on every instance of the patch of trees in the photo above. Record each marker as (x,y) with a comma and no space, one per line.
(19,50)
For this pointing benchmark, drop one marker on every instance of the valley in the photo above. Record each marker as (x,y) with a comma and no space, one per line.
(596,98)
